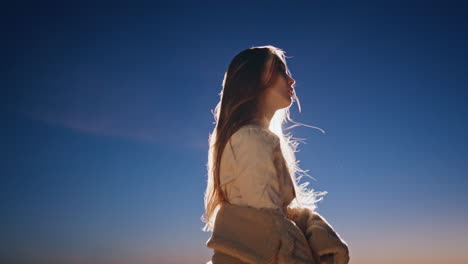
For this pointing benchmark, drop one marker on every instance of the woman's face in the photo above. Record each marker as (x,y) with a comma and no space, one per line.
(279,94)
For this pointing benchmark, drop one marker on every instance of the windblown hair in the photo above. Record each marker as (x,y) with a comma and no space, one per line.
(248,76)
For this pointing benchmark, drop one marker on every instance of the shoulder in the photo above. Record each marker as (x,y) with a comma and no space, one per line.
(254,135)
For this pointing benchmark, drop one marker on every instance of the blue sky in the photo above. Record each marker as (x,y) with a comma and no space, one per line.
(107,111)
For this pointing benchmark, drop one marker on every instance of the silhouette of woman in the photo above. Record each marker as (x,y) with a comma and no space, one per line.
(254,207)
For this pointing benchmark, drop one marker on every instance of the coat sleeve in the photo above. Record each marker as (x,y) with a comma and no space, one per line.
(320,235)
(257,176)
(258,236)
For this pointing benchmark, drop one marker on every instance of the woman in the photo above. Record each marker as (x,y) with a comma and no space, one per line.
(253,204)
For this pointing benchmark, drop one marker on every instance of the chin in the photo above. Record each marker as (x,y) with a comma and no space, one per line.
(288,103)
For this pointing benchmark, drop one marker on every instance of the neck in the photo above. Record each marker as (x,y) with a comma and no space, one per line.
(264,115)
(263,120)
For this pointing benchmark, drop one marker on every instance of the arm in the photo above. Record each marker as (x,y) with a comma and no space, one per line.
(257,177)
(258,182)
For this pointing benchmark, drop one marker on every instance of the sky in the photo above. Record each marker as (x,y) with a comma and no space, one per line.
(107,109)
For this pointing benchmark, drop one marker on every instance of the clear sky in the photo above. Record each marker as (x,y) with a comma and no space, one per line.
(106,111)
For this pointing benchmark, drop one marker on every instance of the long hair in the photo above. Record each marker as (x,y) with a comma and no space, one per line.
(248,76)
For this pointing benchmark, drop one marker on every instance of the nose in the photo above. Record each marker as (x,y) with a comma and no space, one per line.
(291,80)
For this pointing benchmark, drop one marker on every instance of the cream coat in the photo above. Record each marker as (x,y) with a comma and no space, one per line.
(256,225)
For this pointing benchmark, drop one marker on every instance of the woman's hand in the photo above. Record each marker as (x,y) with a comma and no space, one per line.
(327,259)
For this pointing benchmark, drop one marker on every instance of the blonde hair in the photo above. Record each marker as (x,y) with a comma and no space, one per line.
(248,76)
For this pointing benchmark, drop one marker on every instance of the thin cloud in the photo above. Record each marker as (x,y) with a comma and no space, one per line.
(96,125)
